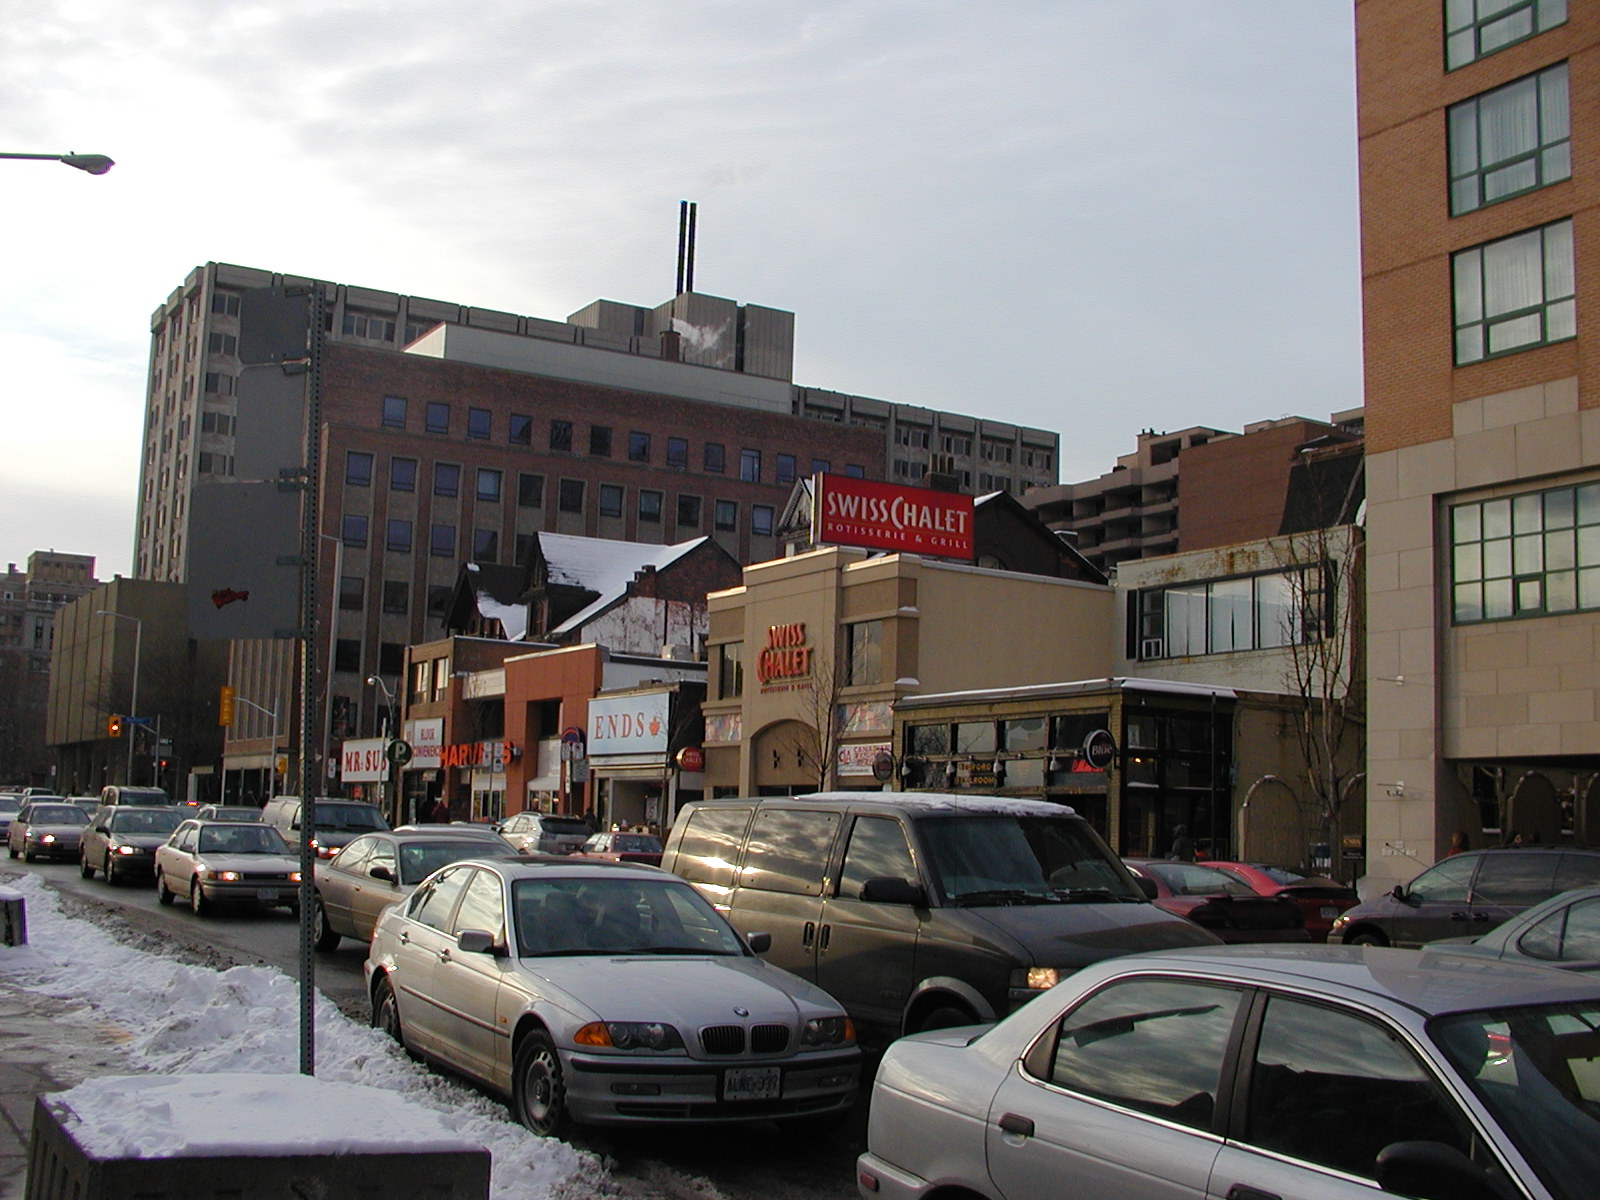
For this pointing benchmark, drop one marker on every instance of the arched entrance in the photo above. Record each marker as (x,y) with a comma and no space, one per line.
(784,760)
(1271,829)
(1535,810)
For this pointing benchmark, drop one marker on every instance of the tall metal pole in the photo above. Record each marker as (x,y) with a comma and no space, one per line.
(309,546)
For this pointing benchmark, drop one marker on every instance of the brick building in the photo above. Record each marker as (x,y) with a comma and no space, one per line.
(29,601)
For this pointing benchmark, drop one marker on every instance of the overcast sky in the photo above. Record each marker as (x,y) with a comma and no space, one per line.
(1090,216)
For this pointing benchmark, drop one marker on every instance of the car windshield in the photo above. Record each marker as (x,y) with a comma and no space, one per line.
(1285,876)
(569,915)
(563,825)
(1538,1070)
(10,803)
(636,843)
(350,818)
(233,814)
(418,860)
(57,814)
(133,821)
(1190,879)
(241,839)
(1004,858)
(142,796)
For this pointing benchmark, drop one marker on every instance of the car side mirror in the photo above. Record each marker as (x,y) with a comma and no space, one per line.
(381,873)
(1399,892)
(759,943)
(1433,1171)
(476,941)
(890,890)
(1147,886)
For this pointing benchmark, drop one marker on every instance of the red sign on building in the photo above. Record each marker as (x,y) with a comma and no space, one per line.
(888,516)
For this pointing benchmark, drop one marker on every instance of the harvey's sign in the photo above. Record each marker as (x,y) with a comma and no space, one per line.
(887,516)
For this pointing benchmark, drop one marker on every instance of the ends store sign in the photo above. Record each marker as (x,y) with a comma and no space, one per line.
(887,516)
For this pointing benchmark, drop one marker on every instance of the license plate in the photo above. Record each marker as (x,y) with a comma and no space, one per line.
(752,1083)
(267,894)
(1329,912)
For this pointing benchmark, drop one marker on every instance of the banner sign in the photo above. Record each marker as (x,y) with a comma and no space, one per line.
(362,761)
(858,758)
(886,516)
(629,724)
(426,736)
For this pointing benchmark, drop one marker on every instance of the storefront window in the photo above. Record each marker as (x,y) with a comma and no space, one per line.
(1025,733)
(421,681)
(928,739)
(976,737)
(730,670)
(864,652)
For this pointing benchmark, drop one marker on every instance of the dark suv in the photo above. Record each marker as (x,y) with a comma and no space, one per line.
(1467,895)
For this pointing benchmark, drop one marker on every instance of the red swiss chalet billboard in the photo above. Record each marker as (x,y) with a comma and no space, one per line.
(887,516)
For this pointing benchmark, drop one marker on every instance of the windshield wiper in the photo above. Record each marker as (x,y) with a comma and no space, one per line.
(1005,896)
(1090,893)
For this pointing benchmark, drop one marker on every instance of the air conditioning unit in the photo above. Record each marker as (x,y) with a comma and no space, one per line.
(1152,648)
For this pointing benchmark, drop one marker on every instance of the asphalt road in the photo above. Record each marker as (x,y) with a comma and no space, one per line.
(755,1162)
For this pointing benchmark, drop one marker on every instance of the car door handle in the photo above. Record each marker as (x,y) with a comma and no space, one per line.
(826,930)
(1480,916)
(444,955)
(405,938)
(1458,916)
(1017,1124)
(808,934)
(1243,1191)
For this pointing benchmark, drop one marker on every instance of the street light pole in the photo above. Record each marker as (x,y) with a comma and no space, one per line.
(272,768)
(133,698)
(95,164)
(388,736)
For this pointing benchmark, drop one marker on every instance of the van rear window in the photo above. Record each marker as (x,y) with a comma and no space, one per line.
(789,851)
(710,846)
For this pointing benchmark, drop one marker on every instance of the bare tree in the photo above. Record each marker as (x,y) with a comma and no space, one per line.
(814,736)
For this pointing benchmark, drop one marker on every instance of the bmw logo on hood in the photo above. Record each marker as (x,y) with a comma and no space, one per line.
(740,1012)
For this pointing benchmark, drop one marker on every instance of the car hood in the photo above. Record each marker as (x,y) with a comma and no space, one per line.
(691,990)
(1073,935)
(141,841)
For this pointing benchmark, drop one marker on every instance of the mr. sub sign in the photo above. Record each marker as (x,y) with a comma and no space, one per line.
(886,516)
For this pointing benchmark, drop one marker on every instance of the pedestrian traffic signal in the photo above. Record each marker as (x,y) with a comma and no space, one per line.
(114,725)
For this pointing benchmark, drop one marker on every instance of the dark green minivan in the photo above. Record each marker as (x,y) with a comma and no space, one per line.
(920,910)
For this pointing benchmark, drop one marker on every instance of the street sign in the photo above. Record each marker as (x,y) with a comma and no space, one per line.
(1099,749)
(571,735)
(398,752)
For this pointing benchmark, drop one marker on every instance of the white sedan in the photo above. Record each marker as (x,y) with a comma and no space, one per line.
(208,862)
(598,992)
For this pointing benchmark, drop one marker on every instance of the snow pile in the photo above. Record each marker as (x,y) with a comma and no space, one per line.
(182,1019)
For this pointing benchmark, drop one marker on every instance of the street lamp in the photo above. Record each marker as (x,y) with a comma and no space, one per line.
(95,164)
(272,769)
(388,736)
(133,698)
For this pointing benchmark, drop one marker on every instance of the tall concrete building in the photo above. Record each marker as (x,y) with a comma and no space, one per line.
(29,602)
(1480,236)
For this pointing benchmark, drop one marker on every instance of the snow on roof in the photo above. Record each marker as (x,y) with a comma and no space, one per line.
(604,566)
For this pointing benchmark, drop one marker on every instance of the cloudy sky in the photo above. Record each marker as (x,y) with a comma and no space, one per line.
(1090,216)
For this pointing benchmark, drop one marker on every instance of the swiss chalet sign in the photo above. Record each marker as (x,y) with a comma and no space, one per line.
(887,516)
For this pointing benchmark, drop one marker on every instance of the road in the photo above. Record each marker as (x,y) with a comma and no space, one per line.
(758,1162)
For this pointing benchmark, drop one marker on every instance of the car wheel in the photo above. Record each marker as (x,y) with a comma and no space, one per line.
(946,1016)
(328,937)
(386,1011)
(27,856)
(538,1093)
(163,892)
(1367,937)
(111,874)
(197,899)
(84,868)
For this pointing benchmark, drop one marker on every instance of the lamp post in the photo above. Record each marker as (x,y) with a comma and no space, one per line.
(133,698)
(388,736)
(333,637)
(272,768)
(95,164)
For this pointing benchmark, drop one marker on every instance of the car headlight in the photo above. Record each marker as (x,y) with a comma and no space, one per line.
(47,838)
(828,1031)
(1341,921)
(222,876)
(294,876)
(629,1035)
(1037,979)
(126,850)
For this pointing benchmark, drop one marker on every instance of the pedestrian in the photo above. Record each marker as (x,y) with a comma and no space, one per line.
(439,814)
(1182,844)
(1459,841)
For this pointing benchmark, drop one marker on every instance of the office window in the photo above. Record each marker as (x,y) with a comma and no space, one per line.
(610,500)
(436,417)
(1219,616)
(391,658)
(438,602)
(1474,29)
(1527,555)
(688,512)
(863,651)
(224,305)
(222,343)
(394,412)
(715,458)
(638,447)
(600,441)
(1509,141)
(852,471)
(489,484)
(479,423)
(561,435)
(519,431)
(485,545)
(216,384)
(761,520)
(402,474)
(750,466)
(397,536)
(678,453)
(530,490)
(570,498)
(446,479)
(347,655)
(650,507)
(353,531)
(727,516)
(820,465)
(1514,293)
(730,670)
(442,541)
(352,593)
(396,596)
(786,468)
(524,548)
(357,469)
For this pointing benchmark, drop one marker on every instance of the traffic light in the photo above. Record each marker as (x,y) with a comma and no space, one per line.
(114,725)
(225,705)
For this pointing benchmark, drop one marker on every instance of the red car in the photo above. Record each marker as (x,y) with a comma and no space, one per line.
(1218,901)
(1320,899)
(623,847)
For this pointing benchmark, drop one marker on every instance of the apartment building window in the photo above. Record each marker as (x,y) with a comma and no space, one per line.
(1221,616)
(402,474)
(353,531)
(394,412)
(479,424)
(357,468)
(952,443)
(347,655)
(519,430)
(446,479)
(442,541)
(610,500)
(638,447)
(1527,555)
(730,670)
(787,467)
(727,516)
(715,458)
(222,343)
(1509,141)
(820,466)
(854,471)
(750,466)
(485,545)
(530,490)
(761,520)
(911,435)
(570,497)
(1514,293)
(650,507)
(372,328)
(1474,29)
(397,536)
(863,652)
(217,384)
(214,464)
(688,512)
(397,597)
(678,453)
(224,305)
(524,548)
(421,681)
(215,422)
(436,417)
(561,435)
(438,602)
(488,488)
(352,593)
(600,441)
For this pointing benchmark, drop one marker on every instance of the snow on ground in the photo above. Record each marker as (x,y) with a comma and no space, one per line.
(188,1020)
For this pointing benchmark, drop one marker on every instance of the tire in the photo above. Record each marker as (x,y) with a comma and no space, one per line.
(197,900)
(538,1092)
(111,874)
(328,938)
(28,856)
(84,868)
(163,892)
(946,1016)
(386,1010)
(1367,937)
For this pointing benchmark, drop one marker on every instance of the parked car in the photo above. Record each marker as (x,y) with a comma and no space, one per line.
(122,840)
(211,862)
(628,999)
(1320,899)
(339,822)
(1467,895)
(544,833)
(379,869)
(624,847)
(1218,901)
(46,827)
(142,797)
(919,910)
(1253,1072)
(1564,931)
(226,812)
